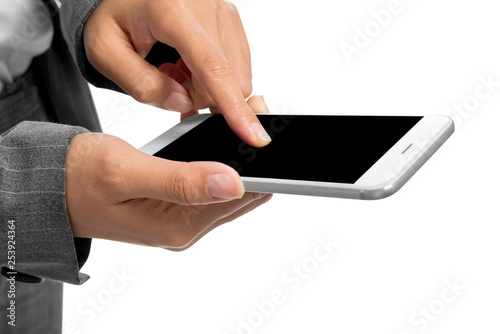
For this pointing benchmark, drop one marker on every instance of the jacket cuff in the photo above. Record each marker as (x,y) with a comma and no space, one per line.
(73,16)
(34,217)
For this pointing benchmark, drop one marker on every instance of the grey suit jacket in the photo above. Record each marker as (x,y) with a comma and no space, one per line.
(33,156)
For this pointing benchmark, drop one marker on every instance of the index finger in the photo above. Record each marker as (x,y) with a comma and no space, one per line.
(209,64)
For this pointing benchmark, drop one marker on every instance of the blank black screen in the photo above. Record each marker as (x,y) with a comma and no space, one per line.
(315,148)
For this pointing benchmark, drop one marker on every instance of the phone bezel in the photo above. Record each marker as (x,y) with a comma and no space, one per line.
(383,179)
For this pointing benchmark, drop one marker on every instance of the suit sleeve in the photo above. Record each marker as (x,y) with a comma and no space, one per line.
(33,204)
(74,15)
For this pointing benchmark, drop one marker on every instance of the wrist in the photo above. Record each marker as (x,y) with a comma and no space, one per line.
(76,163)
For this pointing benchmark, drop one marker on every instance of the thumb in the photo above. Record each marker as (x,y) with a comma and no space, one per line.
(114,56)
(185,183)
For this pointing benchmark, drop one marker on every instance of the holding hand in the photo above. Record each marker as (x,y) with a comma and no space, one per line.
(116,192)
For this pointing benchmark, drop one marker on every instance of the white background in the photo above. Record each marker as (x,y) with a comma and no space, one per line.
(397,257)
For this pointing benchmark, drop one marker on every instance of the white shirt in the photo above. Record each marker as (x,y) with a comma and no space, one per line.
(26,31)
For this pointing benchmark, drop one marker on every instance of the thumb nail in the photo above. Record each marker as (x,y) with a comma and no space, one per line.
(225,186)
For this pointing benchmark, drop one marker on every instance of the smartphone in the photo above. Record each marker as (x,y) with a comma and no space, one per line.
(359,157)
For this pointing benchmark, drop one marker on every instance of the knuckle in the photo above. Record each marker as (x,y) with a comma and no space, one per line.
(217,67)
(145,88)
(159,9)
(239,106)
(227,6)
(181,188)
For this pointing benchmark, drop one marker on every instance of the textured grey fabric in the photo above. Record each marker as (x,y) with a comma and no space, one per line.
(38,308)
(32,179)
(24,97)
(32,189)
(32,169)
(74,14)
(63,89)
(32,194)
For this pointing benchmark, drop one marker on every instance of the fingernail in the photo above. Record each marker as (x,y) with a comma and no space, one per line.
(225,186)
(260,133)
(178,102)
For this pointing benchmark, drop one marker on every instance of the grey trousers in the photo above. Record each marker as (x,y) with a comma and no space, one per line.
(38,307)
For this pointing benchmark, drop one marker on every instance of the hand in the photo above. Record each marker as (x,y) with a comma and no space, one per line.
(116,192)
(214,69)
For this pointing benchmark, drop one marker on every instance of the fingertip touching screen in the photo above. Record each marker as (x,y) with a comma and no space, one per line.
(321,148)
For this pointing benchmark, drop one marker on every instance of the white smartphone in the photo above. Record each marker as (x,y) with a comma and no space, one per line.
(359,157)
